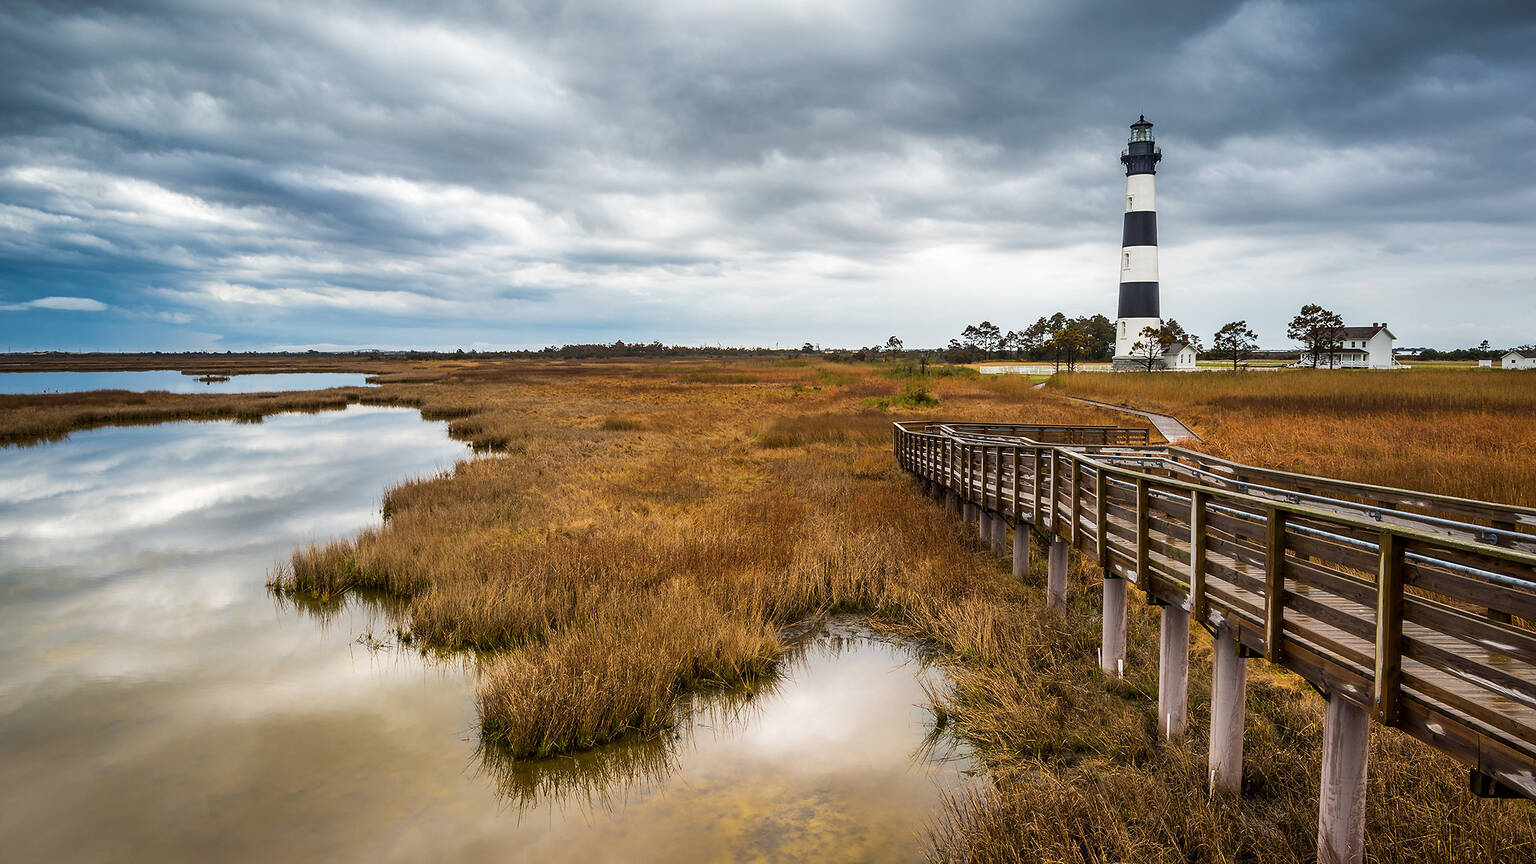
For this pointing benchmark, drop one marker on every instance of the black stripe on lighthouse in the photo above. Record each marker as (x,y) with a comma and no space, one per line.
(1138,300)
(1140,228)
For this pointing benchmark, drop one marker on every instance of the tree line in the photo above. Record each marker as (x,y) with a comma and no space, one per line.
(1057,339)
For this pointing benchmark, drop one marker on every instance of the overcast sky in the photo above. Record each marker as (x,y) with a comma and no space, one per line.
(189,175)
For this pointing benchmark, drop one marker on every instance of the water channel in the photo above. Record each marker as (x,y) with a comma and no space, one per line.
(157,704)
(172,381)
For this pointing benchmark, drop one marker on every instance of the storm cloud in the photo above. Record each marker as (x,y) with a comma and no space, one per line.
(214,175)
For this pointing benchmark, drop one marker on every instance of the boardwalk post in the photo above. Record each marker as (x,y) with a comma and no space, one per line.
(1341,805)
(1173,671)
(1251,534)
(1021,531)
(1056,575)
(1112,640)
(1229,694)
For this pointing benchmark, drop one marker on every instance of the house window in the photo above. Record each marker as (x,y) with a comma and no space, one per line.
(1127,264)
(1129,200)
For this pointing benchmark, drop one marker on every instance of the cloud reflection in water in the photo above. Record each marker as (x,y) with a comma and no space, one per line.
(156,703)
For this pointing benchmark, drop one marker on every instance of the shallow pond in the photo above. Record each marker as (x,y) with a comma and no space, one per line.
(157,704)
(172,381)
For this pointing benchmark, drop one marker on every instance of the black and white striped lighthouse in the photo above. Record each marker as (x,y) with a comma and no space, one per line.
(1138,252)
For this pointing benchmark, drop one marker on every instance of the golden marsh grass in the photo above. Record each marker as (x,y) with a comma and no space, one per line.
(1460,432)
(653,528)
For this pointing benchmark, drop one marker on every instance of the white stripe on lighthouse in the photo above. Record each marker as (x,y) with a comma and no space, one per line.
(1138,264)
(1139,194)
(1128,333)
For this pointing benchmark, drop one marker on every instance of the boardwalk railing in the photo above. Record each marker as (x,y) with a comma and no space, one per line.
(1411,609)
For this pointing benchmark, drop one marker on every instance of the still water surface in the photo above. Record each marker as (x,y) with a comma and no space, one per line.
(172,381)
(156,704)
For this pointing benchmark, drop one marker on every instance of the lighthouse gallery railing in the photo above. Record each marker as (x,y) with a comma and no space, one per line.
(1416,607)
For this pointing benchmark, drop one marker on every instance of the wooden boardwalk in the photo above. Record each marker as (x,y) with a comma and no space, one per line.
(1171,428)
(1414,609)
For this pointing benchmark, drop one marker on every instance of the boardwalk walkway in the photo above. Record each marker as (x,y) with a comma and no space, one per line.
(1410,609)
(1171,428)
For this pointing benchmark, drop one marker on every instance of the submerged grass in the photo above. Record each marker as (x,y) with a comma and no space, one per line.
(606,576)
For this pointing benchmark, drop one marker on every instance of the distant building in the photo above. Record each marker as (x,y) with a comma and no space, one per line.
(1180,357)
(1518,360)
(1359,348)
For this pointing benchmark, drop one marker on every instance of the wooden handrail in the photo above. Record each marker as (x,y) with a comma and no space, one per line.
(1416,607)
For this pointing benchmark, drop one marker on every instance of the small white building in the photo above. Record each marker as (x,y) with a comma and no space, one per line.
(1179,357)
(1518,360)
(1359,348)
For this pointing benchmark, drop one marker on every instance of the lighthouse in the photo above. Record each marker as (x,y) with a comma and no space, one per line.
(1138,247)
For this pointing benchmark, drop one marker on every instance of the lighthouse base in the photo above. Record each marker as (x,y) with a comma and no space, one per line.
(1134,364)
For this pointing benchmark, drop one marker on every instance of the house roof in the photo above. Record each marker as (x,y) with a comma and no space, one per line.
(1362,332)
(1524,355)
(1176,347)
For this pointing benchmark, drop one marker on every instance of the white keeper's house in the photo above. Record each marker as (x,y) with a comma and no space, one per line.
(1179,357)
(1359,348)
(1518,360)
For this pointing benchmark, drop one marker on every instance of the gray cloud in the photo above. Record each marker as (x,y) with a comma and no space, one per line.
(505,173)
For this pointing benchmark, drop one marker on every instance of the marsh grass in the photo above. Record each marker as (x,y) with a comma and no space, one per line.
(603,580)
(616,423)
(1455,432)
(912,396)
(828,428)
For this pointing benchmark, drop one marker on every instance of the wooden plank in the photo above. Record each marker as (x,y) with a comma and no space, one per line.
(1274,585)
(1073,536)
(1252,556)
(1018,513)
(1317,607)
(1101,516)
(1480,592)
(1331,551)
(997,478)
(1197,516)
(1517,679)
(1389,629)
(1250,530)
(1342,584)
(1442,691)
(1034,509)
(1509,639)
